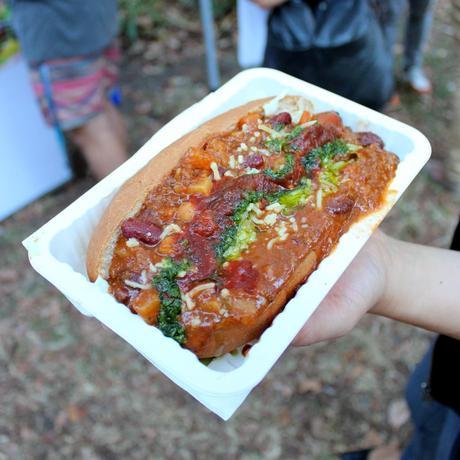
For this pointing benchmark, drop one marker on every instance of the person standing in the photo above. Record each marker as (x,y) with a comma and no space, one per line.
(336,45)
(416,35)
(71,51)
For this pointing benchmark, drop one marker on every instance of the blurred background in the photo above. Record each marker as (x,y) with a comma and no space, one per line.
(70,388)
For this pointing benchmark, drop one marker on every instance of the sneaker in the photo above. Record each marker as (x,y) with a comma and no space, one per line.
(417,80)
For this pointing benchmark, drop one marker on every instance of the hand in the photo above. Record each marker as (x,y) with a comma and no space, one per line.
(360,288)
(267,4)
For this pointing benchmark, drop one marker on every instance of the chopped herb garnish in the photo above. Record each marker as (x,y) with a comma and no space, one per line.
(322,155)
(284,171)
(295,132)
(297,196)
(236,238)
(276,144)
(250,197)
(170,297)
(279,143)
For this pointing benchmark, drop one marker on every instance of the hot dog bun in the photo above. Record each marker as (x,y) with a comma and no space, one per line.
(131,195)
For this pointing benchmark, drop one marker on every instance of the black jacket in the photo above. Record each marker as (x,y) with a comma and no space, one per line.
(445,367)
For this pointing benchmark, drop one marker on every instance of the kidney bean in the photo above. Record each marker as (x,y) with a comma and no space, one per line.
(146,232)
(254,161)
(341,204)
(283,118)
(366,138)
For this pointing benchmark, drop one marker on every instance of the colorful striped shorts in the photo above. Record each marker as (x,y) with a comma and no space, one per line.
(70,91)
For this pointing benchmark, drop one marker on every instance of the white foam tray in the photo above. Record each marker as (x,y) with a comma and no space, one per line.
(58,249)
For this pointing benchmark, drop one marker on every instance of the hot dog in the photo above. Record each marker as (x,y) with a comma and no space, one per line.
(211,238)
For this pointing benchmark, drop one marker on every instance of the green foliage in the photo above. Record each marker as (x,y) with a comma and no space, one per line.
(160,14)
(132,10)
(170,297)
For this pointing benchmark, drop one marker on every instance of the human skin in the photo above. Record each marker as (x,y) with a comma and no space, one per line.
(267,4)
(410,283)
(103,141)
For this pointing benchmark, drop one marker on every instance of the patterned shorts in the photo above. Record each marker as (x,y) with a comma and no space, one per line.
(70,91)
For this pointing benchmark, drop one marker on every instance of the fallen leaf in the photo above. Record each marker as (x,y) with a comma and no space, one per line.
(310,386)
(75,413)
(8,275)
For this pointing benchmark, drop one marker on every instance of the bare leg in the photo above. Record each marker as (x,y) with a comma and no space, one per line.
(118,123)
(102,141)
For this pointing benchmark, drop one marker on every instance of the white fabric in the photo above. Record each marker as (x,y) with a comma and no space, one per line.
(252,33)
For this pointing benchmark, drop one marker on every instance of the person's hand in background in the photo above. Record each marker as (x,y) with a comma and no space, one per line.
(267,4)
(415,284)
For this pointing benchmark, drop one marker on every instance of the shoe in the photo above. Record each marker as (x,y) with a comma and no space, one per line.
(417,80)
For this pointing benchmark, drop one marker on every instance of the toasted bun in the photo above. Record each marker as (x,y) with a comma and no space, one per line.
(231,333)
(132,194)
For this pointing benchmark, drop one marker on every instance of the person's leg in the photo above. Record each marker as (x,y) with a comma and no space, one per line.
(427,416)
(102,141)
(388,15)
(118,123)
(417,32)
(449,437)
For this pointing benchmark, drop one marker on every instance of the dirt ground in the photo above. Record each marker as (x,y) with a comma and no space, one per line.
(70,388)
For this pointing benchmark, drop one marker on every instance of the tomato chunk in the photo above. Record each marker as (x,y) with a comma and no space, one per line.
(240,274)
(329,118)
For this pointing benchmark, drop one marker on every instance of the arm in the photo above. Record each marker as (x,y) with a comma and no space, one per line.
(406,282)
(267,4)
(423,288)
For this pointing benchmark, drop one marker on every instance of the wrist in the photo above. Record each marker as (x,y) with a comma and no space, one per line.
(386,255)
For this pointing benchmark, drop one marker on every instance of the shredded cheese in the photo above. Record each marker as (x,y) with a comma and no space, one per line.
(240,159)
(243,146)
(309,123)
(136,285)
(152,268)
(169,230)
(319,199)
(215,171)
(200,288)
(229,174)
(270,131)
(265,152)
(195,321)
(132,242)
(277,207)
(189,303)
(293,224)
(225,293)
(270,219)
(254,207)
(258,221)
(231,162)
(271,243)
